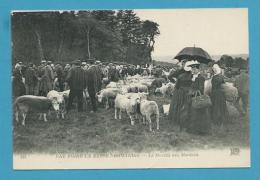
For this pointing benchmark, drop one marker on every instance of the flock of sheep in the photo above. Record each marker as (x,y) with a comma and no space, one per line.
(128,95)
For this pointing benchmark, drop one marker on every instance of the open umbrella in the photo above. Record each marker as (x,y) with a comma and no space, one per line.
(194,53)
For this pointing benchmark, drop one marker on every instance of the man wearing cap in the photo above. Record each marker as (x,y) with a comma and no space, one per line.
(84,66)
(94,82)
(40,74)
(59,74)
(65,74)
(30,80)
(46,78)
(77,82)
(113,73)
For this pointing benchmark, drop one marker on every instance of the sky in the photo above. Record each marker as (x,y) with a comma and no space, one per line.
(218,31)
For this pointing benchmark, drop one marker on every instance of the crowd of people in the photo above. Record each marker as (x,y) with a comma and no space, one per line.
(76,76)
(91,75)
(189,82)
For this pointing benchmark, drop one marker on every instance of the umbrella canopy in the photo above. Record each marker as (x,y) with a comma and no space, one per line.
(194,53)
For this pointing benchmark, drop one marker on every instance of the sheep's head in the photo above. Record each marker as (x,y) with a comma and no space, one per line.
(55,104)
(143,95)
(99,97)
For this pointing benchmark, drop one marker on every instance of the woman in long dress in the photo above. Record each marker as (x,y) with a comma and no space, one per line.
(199,120)
(180,105)
(219,112)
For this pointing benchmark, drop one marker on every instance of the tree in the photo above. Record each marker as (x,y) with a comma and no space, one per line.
(226,61)
(64,36)
(150,30)
(240,63)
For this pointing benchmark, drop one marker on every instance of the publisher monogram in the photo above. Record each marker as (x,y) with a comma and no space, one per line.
(234,151)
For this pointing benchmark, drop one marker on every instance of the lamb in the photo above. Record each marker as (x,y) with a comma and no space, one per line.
(147,109)
(129,105)
(107,94)
(166,89)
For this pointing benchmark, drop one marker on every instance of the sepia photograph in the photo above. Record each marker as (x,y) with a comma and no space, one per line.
(130,88)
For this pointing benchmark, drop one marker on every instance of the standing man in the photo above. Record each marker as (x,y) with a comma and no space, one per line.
(94,82)
(49,76)
(77,82)
(60,77)
(113,73)
(42,83)
(30,80)
(65,74)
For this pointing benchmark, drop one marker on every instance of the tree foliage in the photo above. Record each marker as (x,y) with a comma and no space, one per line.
(229,61)
(64,36)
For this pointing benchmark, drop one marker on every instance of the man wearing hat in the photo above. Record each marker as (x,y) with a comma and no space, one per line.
(77,82)
(46,80)
(60,76)
(94,82)
(84,66)
(40,74)
(30,80)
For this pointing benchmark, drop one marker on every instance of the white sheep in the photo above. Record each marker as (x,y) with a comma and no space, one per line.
(107,94)
(112,85)
(166,89)
(137,95)
(147,109)
(137,87)
(58,102)
(129,105)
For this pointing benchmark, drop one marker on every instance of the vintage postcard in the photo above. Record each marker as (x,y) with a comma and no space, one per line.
(136,88)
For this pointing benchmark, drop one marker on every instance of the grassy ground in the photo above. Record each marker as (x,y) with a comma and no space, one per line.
(100,132)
